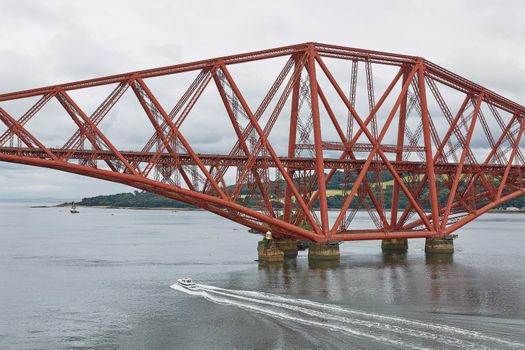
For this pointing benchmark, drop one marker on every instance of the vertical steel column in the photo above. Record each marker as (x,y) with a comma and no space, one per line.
(292,138)
(318,142)
(434,204)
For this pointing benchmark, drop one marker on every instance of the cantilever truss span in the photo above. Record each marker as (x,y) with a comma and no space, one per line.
(422,150)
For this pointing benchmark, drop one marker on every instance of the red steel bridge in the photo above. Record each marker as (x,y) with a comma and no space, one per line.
(258,137)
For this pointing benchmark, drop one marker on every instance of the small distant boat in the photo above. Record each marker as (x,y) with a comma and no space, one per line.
(74,208)
(186,283)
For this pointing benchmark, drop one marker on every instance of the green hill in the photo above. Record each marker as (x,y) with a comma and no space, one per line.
(136,199)
(142,199)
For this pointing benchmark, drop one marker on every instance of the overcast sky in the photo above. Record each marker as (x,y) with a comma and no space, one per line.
(54,41)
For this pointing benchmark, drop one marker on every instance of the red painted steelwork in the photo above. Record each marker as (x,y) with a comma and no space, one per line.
(409,139)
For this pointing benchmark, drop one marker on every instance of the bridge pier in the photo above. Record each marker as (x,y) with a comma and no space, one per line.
(439,245)
(394,245)
(287,246)
(324,251)
(267,251)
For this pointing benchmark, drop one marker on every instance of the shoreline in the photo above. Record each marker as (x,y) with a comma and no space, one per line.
(114,207)
(64,205)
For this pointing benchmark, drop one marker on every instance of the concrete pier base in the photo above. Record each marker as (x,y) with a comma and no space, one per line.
(324,251)
(394,245)
(439,245)
(287,246)
(268,251)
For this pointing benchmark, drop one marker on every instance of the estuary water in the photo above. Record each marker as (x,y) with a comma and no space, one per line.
(105,279)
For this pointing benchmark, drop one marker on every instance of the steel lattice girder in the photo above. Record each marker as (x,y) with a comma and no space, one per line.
(445,188)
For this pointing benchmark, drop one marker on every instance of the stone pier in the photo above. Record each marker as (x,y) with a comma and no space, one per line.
(440,245)
(324,251)
(397,245)
(268,252)
(287,246)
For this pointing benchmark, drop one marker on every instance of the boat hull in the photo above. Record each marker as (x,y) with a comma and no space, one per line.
(187,285)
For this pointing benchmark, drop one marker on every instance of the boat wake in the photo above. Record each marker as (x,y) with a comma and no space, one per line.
(388,330)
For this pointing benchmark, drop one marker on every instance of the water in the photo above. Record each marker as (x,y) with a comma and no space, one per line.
(101,280)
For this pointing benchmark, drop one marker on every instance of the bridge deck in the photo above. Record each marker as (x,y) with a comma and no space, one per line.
(260,162)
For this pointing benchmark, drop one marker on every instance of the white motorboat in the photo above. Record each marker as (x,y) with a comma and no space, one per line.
(186,283)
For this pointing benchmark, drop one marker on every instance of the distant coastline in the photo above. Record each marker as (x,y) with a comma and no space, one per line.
(68,204)
(141,200)
(334,190)
(132,200)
